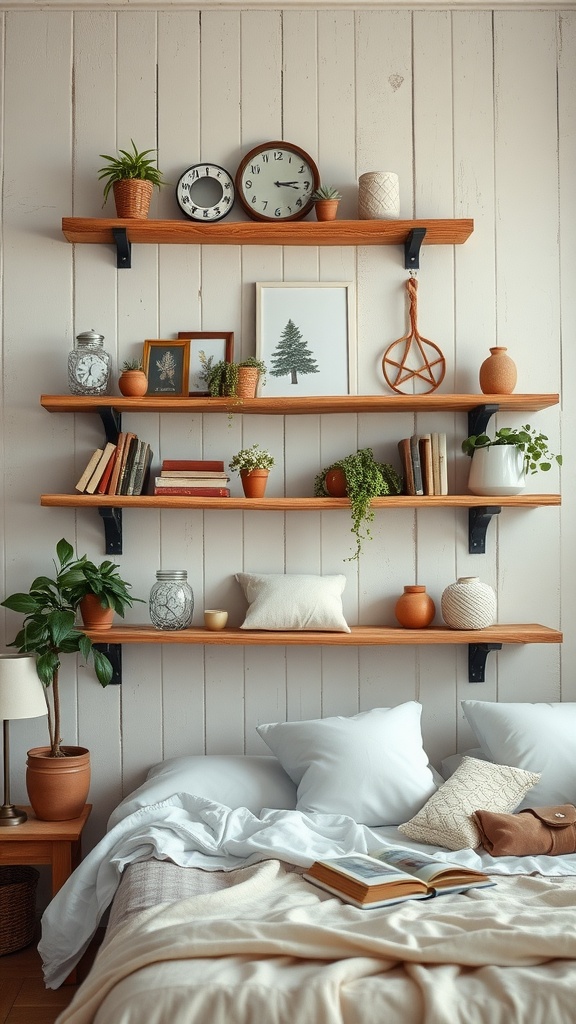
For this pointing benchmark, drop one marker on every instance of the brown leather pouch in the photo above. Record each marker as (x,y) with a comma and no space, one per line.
(537,830)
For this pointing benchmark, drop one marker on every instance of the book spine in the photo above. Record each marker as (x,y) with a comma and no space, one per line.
(416,467)
(436,461)
(198,492)
(406,461)
(141,469)
(107,474)
(425,445)
(202,465)
(129,447)
(190,481)
(443,460)
(100,468)
(89,470)
(138,456)
(178,474)
(120,448)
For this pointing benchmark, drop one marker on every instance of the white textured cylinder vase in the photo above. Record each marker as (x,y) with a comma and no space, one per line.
(498,470)
(378,196)
(468,604)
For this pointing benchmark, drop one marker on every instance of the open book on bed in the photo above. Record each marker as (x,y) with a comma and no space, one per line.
(391,876)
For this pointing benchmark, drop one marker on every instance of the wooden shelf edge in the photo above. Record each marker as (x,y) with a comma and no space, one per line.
(283,504)
(519,633)
(94,230)
(319,405)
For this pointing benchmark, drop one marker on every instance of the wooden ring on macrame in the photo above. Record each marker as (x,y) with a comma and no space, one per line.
(411,358)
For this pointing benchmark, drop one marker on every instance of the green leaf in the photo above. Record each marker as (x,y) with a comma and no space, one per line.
(64,551)
(102,667)
(46,666)
(20,603)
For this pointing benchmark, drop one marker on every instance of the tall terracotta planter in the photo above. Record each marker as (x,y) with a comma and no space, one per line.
(58,786)
(94,616)
(254,482)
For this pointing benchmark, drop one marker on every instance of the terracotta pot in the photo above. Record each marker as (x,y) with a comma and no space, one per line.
(254,482)
(415,609)
(132,197)
(335,483)
(58,786)
(498,373)
(133,383)
(94,616)
(326,209)
(248,377)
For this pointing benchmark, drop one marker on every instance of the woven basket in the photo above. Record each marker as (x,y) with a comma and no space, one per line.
(17,907)
(247,381)
(132,197)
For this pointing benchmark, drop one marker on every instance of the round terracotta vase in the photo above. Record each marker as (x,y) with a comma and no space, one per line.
(94,616)
(498,373)
(133,383)
(326,209)
(335,483)
(254,482)
(132,197)
(58,786)
(415,609)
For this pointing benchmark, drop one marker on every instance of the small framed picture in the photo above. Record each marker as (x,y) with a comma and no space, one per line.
(166,366)
(206,349)
(306,336)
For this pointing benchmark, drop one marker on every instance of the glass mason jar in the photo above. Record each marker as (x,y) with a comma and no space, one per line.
(171,600)
(89,365)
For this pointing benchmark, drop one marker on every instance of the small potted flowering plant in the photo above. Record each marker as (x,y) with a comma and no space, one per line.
(253,464)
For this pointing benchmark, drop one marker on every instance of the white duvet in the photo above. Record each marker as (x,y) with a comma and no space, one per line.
(194,831)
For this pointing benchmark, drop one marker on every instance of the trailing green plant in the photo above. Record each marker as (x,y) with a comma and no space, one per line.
(530,441)
(254,457)
(129,165)
(365,479)
(326,192)
(222,377)
(132,364)
(49,629)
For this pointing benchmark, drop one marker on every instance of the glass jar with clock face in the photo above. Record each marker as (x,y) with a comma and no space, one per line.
(89,365)
(275,180)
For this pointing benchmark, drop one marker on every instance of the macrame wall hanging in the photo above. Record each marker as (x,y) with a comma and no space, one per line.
(413,364)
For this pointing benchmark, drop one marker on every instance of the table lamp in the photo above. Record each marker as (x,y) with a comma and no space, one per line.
(21,696)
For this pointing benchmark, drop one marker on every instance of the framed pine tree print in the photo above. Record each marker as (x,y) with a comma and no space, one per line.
(305,335)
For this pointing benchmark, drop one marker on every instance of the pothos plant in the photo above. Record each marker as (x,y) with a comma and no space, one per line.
(365,479)
(527,439)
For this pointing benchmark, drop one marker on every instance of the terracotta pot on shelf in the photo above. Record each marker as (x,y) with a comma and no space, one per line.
(58,786)
(415,609)
(498,373)
(335,483)
(94,616)
(254,482)
(326,209)
(133,383)
(132,197)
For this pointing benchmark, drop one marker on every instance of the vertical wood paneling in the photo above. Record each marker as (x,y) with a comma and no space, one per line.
(476,112)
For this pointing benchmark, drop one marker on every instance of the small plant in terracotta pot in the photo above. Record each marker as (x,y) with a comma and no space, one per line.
(326,199)
(253,464)
(133,382)
(132,177)
(235,380)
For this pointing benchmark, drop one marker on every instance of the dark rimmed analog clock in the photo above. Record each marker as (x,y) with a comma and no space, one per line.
(275,181)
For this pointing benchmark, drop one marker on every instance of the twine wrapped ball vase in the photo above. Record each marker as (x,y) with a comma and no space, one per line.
(378,196)
(468,604)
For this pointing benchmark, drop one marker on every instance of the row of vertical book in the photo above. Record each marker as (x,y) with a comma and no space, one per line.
(424,465)
(121,468)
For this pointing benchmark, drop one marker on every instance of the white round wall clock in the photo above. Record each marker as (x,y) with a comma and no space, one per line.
(205,192)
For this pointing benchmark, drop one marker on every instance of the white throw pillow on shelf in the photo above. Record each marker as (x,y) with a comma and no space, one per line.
(293,601)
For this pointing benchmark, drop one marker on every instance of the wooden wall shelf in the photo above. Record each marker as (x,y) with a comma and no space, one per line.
(283,504)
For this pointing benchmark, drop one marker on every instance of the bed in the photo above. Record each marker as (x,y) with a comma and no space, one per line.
(211,920)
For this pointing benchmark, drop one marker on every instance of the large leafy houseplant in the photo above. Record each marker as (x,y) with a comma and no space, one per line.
(365,479)
(49,629)
(531,442)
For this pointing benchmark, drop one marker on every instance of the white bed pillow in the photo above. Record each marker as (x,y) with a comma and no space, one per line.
(371,767)
(446,819)
(293,601)
(537,737)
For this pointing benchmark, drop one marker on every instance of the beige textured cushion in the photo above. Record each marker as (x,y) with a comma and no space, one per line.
(293,601)
(446,818)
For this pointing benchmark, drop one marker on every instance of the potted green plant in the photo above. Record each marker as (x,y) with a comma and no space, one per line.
(132,177)
(236,380)
(361,478)
(253,464)
(500,464)
(326,199)
(133,382)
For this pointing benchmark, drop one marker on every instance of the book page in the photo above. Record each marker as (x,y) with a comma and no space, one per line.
(412,863)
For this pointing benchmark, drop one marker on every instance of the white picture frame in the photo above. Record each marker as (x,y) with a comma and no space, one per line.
(318,317)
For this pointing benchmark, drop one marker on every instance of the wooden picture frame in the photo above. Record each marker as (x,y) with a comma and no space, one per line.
(315,321)
(166,366)
(216,346)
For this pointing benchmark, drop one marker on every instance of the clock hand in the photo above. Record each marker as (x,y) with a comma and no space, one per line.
(288,184)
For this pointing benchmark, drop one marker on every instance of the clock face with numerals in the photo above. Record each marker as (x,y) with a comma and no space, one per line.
(91,371)
(275,181)
(205,192)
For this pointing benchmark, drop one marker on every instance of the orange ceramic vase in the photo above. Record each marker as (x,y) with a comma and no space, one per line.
(498,373)
(133,383)
(415,609)
(335,483)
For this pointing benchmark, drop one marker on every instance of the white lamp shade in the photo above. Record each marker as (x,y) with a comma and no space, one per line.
(21,692)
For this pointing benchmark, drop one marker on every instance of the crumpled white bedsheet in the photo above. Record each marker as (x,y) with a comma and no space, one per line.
(196,832)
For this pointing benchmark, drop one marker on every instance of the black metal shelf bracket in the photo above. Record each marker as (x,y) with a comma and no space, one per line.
(123,249)
(477,654)
(479,417)
(478,522)
(412,247)
(114,654)
(112,518)
(112,423)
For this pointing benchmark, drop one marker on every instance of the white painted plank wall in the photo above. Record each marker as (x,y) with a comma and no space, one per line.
(464,106)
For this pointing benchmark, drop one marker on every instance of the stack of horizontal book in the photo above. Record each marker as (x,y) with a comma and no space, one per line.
(424,466)
(121,468)
(200,478)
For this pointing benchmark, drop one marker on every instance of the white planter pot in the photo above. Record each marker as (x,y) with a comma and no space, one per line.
(497,470)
